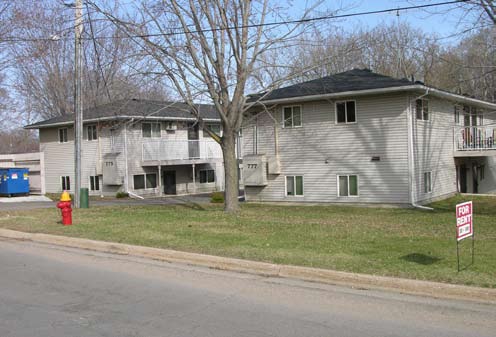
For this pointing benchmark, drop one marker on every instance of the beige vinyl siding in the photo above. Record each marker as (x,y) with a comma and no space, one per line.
(135,151)
(321,149)
(488,184)
(184,179)
(106,147)
(59,158)
(433,150)
(90,157)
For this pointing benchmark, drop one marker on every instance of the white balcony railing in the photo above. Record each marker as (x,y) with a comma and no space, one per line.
(180,149)
(475,138)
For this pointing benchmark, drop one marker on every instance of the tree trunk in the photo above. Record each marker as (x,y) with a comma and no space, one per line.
(231,204)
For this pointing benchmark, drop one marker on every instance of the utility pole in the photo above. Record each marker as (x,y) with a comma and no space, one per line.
(78,102)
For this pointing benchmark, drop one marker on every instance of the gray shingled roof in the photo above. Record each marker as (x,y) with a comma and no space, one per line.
(135,108)
(352,80)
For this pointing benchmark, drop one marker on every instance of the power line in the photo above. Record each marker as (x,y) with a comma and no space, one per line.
(180,31)
(277,23)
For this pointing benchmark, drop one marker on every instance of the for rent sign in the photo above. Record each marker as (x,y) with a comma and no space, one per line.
(464,220)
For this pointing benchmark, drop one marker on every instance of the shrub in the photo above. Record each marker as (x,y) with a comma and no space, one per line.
(120,195)
(217,197)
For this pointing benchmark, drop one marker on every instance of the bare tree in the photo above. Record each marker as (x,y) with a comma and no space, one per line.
(44,62)
(18,141)
(208,50)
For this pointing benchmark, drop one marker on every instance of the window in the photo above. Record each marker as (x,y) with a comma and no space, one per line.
(291,116)
(215,128)
(91,133)
(151,180)
(65,182)
(294,185)
(170,126)
(348,185)
(145,181)
(471,117)
(345,112)
(150,130)
(94,183)
(207,176)
(427,182)
(422,109)
(139,181)
(63,135)
(457,114)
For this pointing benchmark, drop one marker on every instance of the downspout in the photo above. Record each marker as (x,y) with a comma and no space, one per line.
(411,155)
(99,161)
(126,170)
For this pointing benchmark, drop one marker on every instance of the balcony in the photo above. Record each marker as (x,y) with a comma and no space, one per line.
(475,141)
(180,151)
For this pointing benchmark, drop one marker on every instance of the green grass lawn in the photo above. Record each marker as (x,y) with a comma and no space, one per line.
(407,243)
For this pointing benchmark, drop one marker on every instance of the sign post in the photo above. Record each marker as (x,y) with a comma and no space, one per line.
(464,227)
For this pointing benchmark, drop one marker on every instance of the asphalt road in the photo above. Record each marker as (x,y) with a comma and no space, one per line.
(53,291)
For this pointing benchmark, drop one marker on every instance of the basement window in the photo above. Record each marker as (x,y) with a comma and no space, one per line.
(294,185)
(65,182)
(207,176)
(427,182)
(145,181)
(348,185)
(94,183)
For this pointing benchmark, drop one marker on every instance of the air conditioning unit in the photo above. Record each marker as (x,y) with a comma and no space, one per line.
(255,170)
(170,126)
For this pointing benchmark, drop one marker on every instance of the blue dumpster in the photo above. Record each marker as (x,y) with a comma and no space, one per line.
(14,181)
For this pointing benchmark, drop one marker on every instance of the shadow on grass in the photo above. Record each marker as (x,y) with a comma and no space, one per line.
(420,259)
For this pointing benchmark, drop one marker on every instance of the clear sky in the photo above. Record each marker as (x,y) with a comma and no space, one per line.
(442,20)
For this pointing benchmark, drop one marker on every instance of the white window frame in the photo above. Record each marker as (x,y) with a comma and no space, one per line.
(429,188)
(206,170)
(66,135)
(429,117)
(95,179)
(151,130)
(459,113)
(292,117)
(63,181)
(144,177)
(207,126)
(294,184)
(348,179)
(345,112)
(87,129)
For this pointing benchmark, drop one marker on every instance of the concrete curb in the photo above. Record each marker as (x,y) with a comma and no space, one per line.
(352,280)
